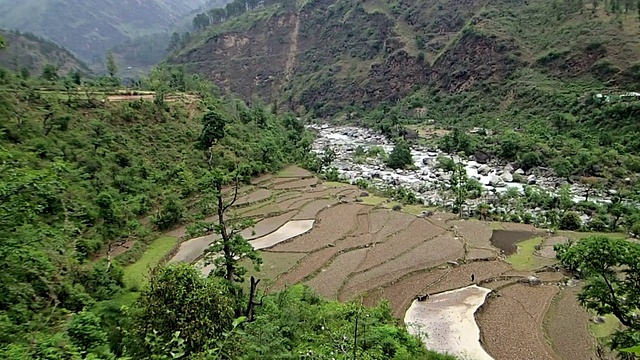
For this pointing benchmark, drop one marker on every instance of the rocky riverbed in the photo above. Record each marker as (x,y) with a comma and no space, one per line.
(427,180)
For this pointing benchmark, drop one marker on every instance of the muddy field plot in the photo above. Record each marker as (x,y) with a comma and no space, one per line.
(397,222)
(311,210)
(256,196)
(511,324)
(273,264)
(566,325)
(315,261)
(329,280)
(297,184)
(475,233)
(378,219)
(401,293)
(417,233)
(332,224)
(426,255)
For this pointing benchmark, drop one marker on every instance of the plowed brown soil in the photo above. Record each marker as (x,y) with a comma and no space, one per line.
(475,254)
(377,219)
(475,233)
(296,184)
(258,195)
(429,254)
(566,325)
(402,293)
(511,324)
(261,211)
(332,224)
(316,260)
(329,280)
(418,232)
(311,210)
(397,222)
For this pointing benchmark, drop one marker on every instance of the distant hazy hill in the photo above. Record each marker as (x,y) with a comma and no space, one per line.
(32,52)
(90,27)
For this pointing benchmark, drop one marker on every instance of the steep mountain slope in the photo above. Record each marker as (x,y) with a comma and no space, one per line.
(32,53)
(90,27)
(326,55)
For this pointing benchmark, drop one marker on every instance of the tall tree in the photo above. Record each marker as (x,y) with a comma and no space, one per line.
(179,299)
(112,67)
(612,270)
(400,156)
(201,21)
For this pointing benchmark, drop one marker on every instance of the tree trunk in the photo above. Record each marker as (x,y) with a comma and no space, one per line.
(252,294)
(226,249)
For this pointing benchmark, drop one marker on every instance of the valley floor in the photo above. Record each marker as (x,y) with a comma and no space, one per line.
(332,237)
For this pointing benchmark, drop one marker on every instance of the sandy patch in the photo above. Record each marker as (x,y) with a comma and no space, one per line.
(445,322)
(286,232)
(547,252)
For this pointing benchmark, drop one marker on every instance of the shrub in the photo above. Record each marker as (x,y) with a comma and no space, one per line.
(570,221)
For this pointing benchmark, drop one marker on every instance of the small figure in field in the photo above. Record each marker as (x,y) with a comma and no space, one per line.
(473,277)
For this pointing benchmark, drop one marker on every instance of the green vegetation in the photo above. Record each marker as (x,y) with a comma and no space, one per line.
(611,269)
(135,275)
(400,157)
(525,259)
(79,178)
(28,54)
(604,330)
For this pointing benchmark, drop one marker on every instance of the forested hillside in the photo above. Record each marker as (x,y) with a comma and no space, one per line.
(32,53)
(90,177)
(326,56)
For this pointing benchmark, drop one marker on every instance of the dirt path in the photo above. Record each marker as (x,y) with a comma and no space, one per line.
(293,49)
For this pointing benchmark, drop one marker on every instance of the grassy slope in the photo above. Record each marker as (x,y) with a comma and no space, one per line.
(135,275)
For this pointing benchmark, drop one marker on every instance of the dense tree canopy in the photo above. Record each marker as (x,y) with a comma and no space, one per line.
(612,271)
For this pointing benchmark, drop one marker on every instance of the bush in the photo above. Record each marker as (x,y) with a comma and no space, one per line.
(170,214)
(570,221)
(400,157)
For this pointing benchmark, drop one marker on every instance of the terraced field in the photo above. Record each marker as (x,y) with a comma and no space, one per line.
(346,248)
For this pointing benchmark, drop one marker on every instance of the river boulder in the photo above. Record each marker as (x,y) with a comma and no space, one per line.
(482,157)
(507,177)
